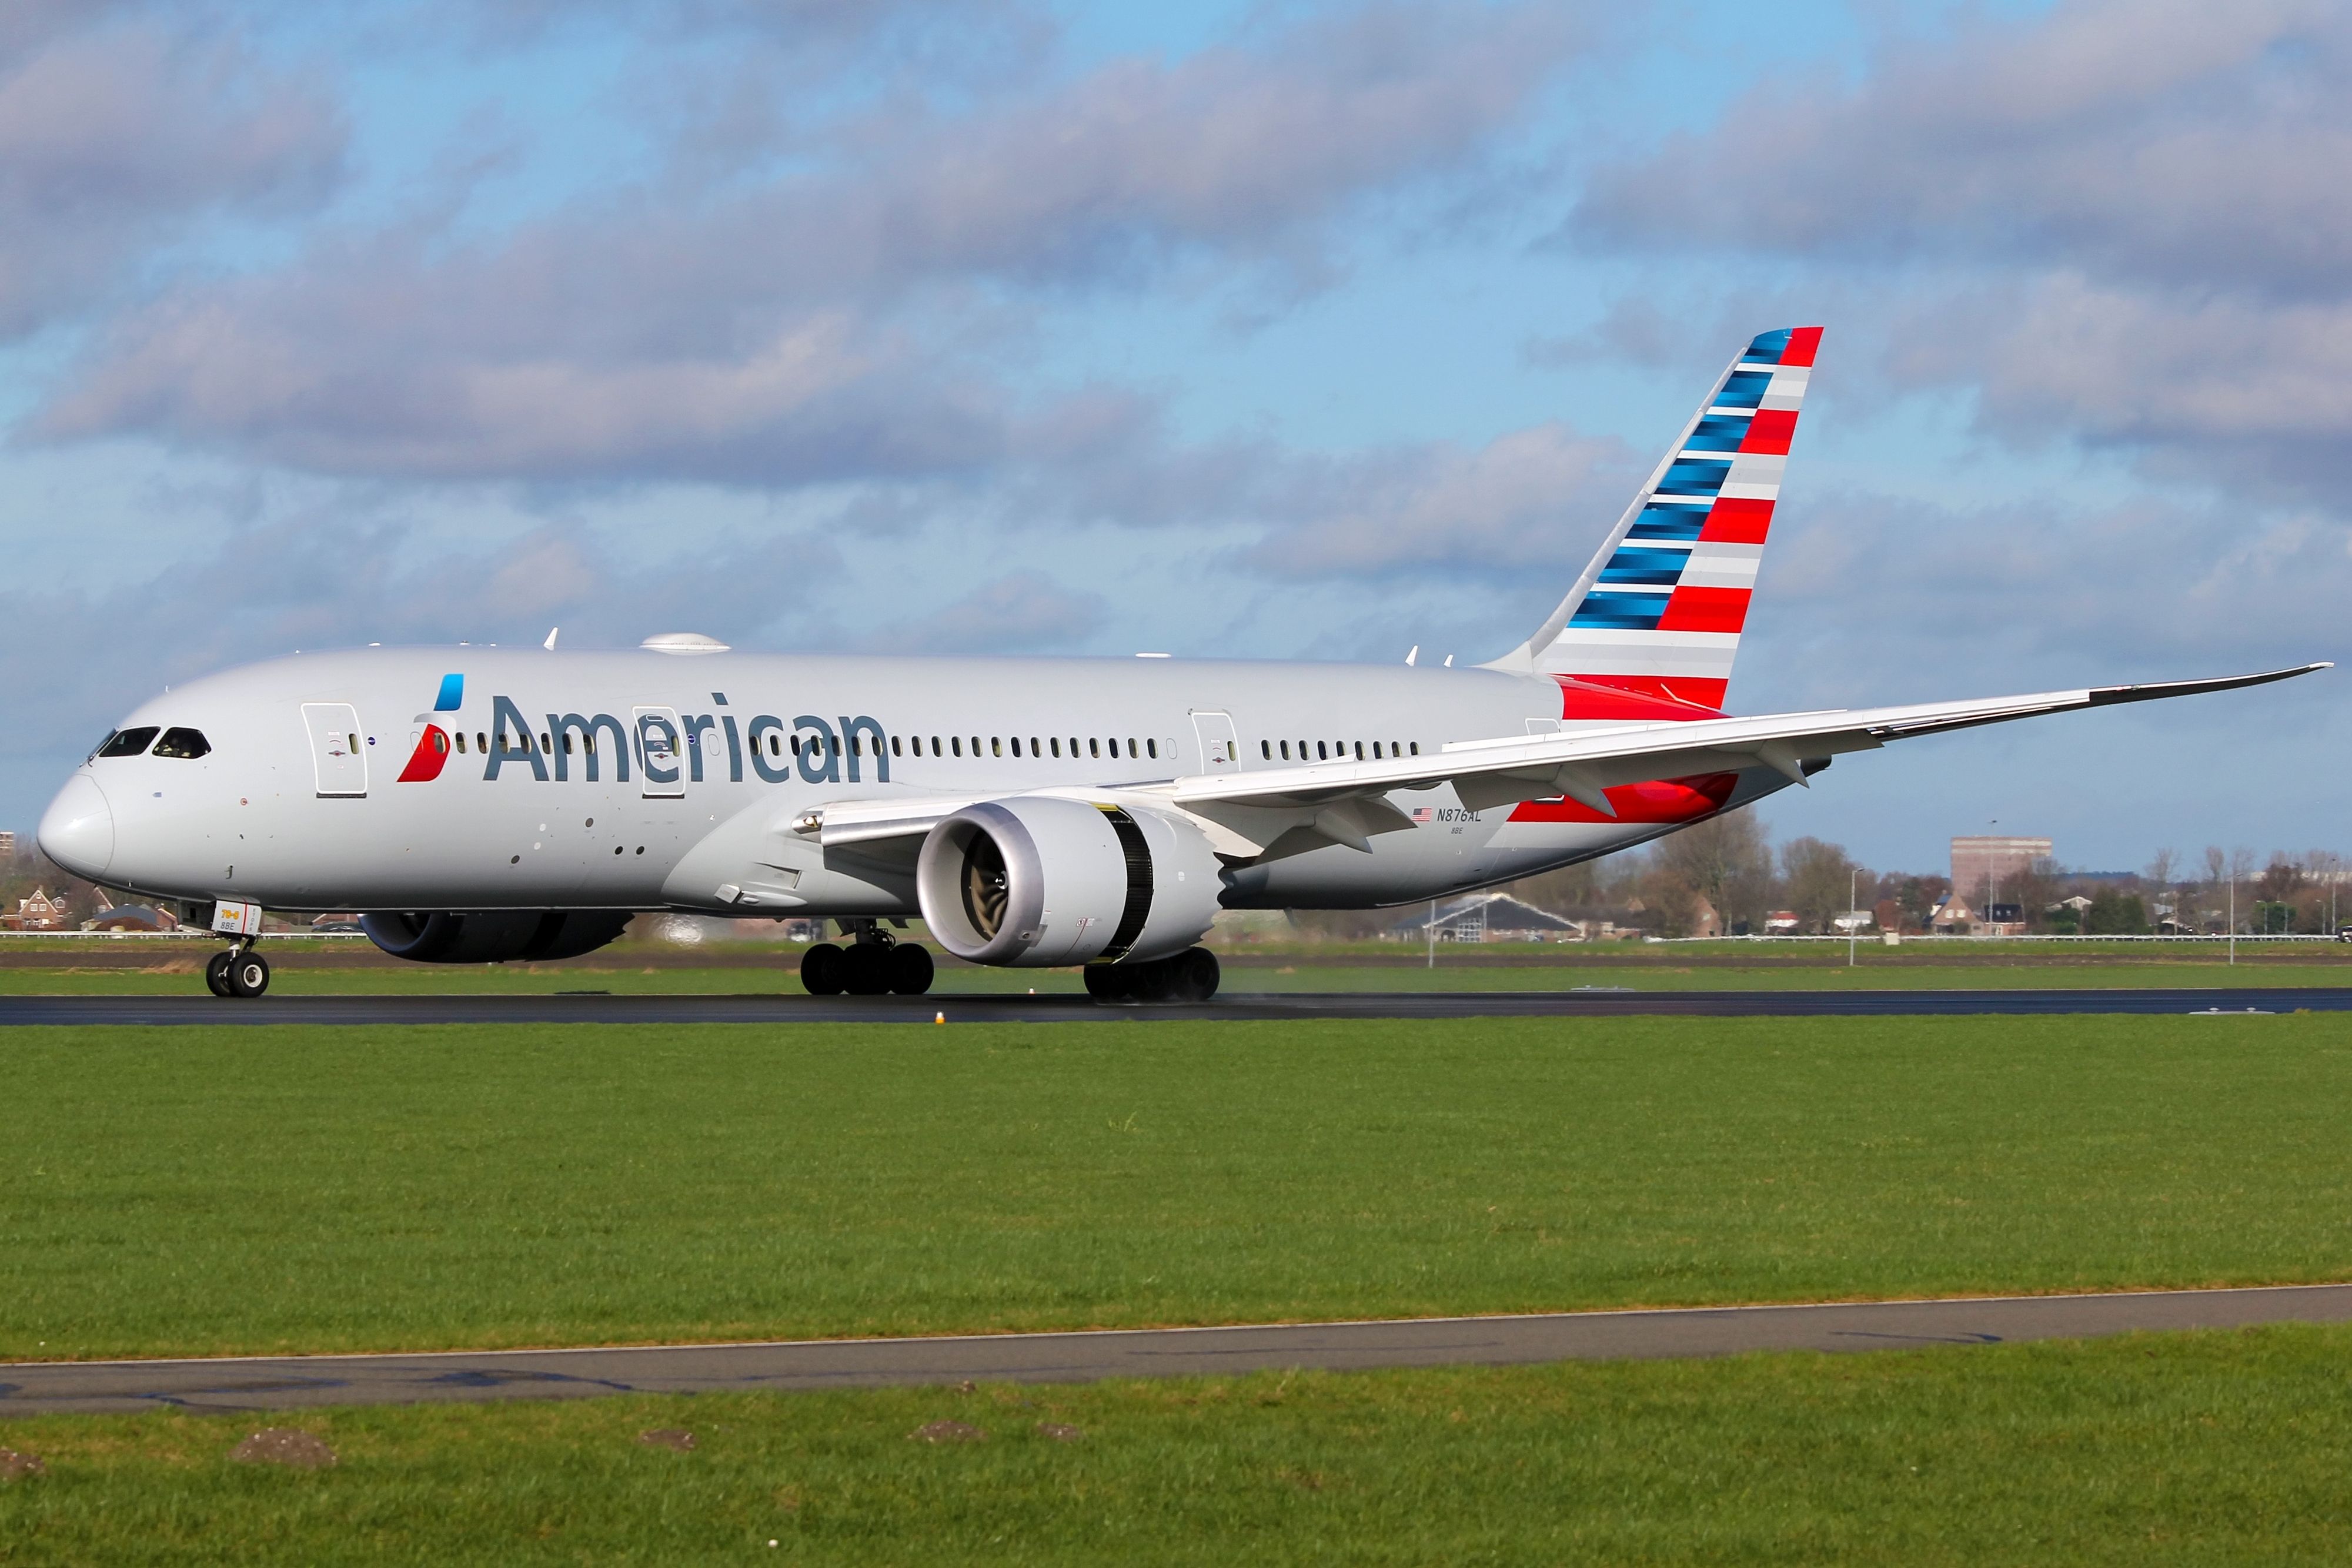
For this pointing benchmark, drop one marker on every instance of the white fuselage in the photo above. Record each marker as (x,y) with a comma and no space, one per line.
(699,765)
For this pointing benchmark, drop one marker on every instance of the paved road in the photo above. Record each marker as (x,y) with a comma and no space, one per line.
(597,1008)
(278,1383)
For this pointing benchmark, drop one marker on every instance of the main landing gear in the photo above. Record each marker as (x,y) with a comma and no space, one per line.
(1191,976)
(873,964)
(237,971)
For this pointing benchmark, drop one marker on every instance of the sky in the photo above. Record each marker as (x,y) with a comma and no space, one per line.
(1310,331)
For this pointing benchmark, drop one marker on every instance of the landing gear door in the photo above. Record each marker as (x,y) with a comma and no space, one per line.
(338,755)
(661,752)
(1219,751)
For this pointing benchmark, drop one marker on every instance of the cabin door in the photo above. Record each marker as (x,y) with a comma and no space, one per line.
(336,756)
(661,752)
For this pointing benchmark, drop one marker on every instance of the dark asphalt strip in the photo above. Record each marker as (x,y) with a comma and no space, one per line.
(577,1009)
(279,1383)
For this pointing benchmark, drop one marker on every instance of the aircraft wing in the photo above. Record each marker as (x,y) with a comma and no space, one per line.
(1345,802)
(1582,764)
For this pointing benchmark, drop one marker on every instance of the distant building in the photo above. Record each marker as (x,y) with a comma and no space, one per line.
(132,917)
(1982,867)
(1781,923)
(1488,917)
(38,912)
(7,846)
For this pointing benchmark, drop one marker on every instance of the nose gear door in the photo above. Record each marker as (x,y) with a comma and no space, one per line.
(661,753)
(1220,752)
(336,755)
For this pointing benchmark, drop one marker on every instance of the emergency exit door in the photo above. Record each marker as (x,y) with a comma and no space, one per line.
(337,754)
(1221,753)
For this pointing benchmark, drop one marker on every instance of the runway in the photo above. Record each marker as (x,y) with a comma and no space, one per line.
(980,1007)
(281,1383)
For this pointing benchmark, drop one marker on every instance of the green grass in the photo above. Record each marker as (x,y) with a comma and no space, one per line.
(313,973)
(2214,1447)
(200,1189)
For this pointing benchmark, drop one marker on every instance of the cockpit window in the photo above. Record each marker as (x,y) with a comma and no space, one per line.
(182,743)
(128,742)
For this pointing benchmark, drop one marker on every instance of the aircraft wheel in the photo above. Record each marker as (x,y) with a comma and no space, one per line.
(910,968)
(866,969)
(1152,982)
(216,971)
(1109,982)
(1195,975)
(821,969)
(248,975)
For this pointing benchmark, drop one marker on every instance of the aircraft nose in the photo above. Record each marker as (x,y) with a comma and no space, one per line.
(77,830)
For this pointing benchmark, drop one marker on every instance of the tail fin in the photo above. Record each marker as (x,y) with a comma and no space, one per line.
(1660,608)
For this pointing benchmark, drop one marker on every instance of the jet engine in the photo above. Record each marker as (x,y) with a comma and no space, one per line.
(1034,883)
(494,936)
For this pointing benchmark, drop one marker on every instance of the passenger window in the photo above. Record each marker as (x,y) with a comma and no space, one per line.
(1416,748)
(461,743)
(440,743)
(482,742)
(1094,745)
(895,750)
(546,743)
(1016,745)
(1152,748)
(1057,746)
(191,743)
(1130,746)
(1360,751)
(128,742)
(1265,750)
(1035,751)
(1322,752)
(995,746)
(1286,751)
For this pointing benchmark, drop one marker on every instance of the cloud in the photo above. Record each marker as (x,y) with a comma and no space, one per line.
(116,138)
(2169,144)
(1022,612)
(1538,498)
(2122,224)
(849,318)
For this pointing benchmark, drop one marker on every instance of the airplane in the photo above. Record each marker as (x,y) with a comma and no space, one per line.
(493,804)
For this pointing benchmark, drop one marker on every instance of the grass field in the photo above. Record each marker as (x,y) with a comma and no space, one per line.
(2218,1448)
(199,1189)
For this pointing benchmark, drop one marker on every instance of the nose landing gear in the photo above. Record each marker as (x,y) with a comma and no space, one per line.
(873,964)
(237,971)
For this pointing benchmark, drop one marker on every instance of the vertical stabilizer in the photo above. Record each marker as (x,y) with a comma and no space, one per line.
(1660,608)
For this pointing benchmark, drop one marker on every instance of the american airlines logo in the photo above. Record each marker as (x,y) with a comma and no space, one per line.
(666,746)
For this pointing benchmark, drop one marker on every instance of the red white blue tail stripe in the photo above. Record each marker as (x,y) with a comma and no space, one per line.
(1660,608)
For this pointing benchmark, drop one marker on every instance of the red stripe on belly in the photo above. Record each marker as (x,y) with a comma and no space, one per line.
(1659,800)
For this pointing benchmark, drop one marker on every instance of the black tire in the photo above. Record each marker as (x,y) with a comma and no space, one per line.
(910,968)
(248,975)
(1196,974)
(216,971)
(866,969)
(821,970)
(1152,982)
(1109,982)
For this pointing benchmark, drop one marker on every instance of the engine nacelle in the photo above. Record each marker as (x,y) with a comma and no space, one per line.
(494,936)
(1034,883)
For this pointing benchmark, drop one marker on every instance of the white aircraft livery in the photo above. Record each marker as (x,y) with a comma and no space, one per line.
(489,804)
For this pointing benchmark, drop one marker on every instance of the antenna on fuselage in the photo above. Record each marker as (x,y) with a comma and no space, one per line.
(550,643)
(1449,660)
(1409,658)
